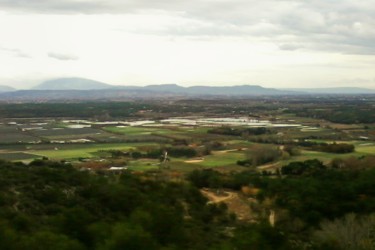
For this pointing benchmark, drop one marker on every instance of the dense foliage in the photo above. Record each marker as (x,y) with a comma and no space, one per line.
(299,168)
(47,205)
(261,154)
(158,153)
(99,110)
(312,197)
(239,131)
(336,148)
(323,194)
(336,110)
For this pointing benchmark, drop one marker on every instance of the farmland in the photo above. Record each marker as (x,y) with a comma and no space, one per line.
(96,139)
(221,165)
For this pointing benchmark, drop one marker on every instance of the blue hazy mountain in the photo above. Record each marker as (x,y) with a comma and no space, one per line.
(338,90)
(87,84)
(73,83)
(86,89)
(4,88)
(216,90)
(237,90)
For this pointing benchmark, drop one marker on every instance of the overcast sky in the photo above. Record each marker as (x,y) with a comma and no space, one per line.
(273,43)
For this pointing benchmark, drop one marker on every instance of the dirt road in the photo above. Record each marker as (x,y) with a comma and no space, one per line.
(236,203)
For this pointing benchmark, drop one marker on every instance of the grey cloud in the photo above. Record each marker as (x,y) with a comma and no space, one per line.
(15,52)
(49,6)
(88,6)
(290,47)
(61,56)
(23,55)
(341,26)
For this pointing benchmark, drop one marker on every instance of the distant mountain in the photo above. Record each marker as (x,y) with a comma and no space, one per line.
(133,92)
(79,95)
(85,89)
(171,88)
(339,90)
(4,88)
(72,84)
(242,90)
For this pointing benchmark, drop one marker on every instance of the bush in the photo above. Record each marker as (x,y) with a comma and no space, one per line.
(336,148)
(299,168)
(262,154)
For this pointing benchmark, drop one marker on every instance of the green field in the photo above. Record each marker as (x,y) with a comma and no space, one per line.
(144,164)
(322,156)
(361,147)
(72,151)
(16,144)
(178,133)
(222,159)
(366,148)
(137,130)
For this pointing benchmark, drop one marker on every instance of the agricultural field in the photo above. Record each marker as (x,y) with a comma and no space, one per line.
(12,156)
(191,142)
(266,167)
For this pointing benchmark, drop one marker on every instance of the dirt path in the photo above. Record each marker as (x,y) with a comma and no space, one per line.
(194,160)
(216,198)
(270,166)
(236,203)
(222,151)
(226,151)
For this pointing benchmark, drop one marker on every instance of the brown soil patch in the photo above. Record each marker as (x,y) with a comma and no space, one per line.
(237,204)
(271,166)
(194,160)
(223,151)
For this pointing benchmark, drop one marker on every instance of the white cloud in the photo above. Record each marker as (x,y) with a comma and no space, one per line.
(62,56)
(15,52)
(274,42)
(290,46)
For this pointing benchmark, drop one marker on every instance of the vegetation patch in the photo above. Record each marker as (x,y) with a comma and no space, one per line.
(17,156)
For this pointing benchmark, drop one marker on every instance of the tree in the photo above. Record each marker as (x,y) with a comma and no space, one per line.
(49,241)
(350,232)
(259,236)
(261,154)
(130,237)
(298,167)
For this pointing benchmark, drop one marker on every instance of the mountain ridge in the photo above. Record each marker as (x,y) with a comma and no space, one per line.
(71,83)
(76,83)
(333,90)
(5,88)
(75,88)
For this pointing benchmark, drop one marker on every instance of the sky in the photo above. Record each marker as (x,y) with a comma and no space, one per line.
(272,43)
